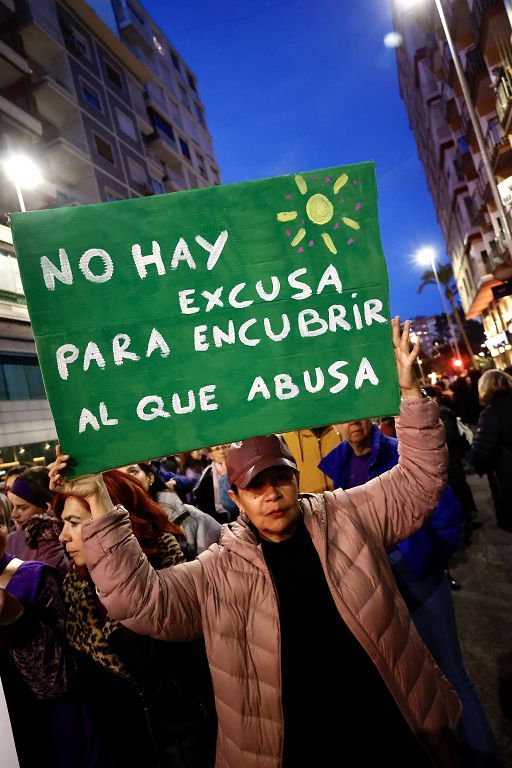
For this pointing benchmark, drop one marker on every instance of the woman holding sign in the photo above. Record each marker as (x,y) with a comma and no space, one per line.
(311,648)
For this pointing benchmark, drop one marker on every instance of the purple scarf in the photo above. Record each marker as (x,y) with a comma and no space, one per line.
(25,583)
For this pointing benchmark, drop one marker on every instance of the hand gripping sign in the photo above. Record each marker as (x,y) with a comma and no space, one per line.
(172,322)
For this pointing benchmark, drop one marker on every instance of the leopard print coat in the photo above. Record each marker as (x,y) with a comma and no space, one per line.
(88,627)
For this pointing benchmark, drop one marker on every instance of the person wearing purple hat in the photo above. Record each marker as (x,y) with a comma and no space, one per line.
(313,656)
(36,536)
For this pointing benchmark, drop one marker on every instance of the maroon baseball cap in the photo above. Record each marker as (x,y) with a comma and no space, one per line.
(249,457)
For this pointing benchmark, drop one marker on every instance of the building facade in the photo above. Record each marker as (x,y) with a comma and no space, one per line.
(426,330)
(101,100)
(448,148)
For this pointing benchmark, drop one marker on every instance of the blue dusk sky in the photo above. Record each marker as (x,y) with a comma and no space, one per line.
(294,85)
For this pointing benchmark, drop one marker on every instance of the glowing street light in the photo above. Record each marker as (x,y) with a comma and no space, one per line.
(23,173)
(427,257)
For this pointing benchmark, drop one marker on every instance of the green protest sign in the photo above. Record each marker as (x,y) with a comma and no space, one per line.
(178,321)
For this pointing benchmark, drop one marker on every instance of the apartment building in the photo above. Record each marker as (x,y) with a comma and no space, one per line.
(425,328)
(448,148)
(102,101)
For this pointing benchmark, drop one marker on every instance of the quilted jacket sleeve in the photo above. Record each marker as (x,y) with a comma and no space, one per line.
(163,604)
(396,503)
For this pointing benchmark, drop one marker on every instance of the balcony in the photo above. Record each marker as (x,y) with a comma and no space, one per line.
(132,26)
(66,154)
(504,99)
(139,106)
(467,129)
(463,162)
(498,148)
(12,65)
(460,23)
(479,84)
(163,146)
(41,32)
(489,20)
(174,181)
(451,113)
(55,102)
(21,115)
(500,259)
(483,186)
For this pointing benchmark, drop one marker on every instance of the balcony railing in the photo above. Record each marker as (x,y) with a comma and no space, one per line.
(475,67)
(495,139)
(500,259)
(504,97)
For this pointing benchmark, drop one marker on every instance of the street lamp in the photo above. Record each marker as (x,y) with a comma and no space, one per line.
(427,256)
(23,173)
(413,337)
(476,123)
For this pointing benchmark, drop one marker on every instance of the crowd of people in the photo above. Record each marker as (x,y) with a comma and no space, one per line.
(274,603)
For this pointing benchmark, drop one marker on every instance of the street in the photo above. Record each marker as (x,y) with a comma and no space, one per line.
(484,614)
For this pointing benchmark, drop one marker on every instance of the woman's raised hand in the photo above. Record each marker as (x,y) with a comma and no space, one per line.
(405,359)
(89,488)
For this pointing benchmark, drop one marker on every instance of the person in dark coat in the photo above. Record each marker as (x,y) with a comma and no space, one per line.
(492,445)
(418,564)
(211,492)
(36,667)
(458,448)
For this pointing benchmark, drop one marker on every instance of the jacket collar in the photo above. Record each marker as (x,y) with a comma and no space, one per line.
(240,536)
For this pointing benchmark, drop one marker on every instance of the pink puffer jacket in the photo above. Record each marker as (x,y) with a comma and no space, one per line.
(227,595)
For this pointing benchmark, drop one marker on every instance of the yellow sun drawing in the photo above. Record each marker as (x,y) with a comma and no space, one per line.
(319,210)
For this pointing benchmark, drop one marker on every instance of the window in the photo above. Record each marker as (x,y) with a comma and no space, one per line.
(158,187)
(20,378)
(201,166)
(137,173)
(199,113)
(463,145)
(104,149)
(162,125)
(184,97)
(191,81)
(10,280)
(175,61)
(91,97)
(185,149)
(75,42)
(470,208)
(110,196)
(114,76)
(126,124)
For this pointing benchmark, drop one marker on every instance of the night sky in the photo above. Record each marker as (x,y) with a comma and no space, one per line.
(297,85)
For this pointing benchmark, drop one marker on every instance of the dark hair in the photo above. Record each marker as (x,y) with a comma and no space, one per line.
(148,519)
(39,481)
(17,470)
(188,462)
(158,485)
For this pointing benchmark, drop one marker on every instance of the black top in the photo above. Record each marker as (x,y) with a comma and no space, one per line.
(335,703)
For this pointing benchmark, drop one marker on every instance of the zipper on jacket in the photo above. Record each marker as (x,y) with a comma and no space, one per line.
(276,596)
(367,644)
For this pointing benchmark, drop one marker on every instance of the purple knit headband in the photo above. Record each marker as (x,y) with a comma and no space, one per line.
(25,491)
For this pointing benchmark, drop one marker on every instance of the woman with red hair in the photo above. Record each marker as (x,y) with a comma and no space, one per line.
(150,701)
